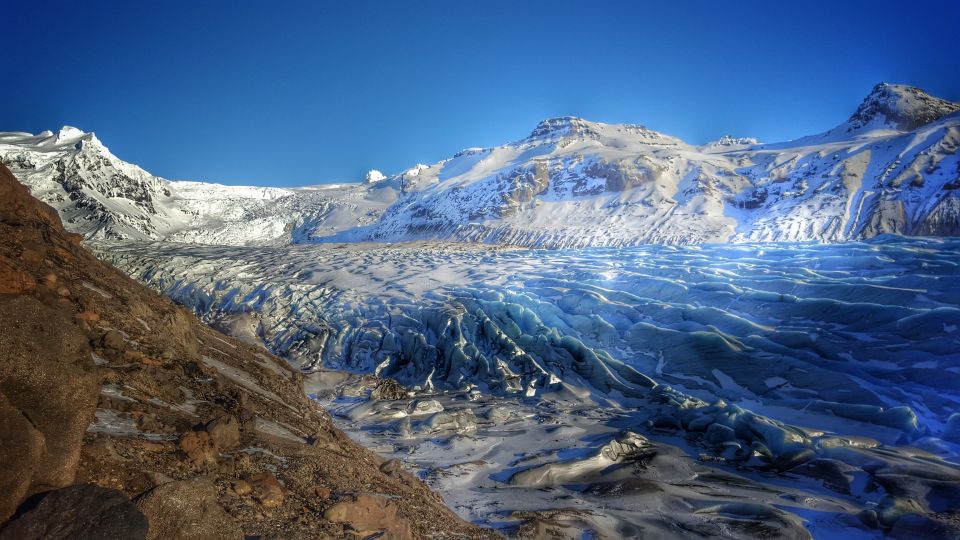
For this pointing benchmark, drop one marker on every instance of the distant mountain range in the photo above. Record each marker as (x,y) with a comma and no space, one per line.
(892,167)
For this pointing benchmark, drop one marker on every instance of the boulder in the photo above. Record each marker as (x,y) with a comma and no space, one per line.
(199,448)
(22,445)
(224,431)
(47,377)
(186,510)
(113,340)
(370,514)
(267,490)
(83,511)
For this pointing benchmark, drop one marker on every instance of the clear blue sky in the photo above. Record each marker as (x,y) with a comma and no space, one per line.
(292,93)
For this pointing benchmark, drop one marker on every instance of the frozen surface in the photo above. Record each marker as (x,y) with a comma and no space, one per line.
(584,388)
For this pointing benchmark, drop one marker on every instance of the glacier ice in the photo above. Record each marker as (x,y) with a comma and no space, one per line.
(825,361)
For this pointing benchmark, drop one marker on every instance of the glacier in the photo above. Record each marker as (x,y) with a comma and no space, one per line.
(836,362)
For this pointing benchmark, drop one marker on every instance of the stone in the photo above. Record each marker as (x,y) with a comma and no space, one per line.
(392,467)
(90,316)
(113,341)
(322,492)
(388,390)
(224,431)
(186,510)
(14,280)
(267,490)
(48,377)
(83,511)
(22,445)
(370,514)
(199,448)
(241,488)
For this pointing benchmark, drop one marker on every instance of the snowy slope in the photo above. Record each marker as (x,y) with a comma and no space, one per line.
(892,167)
(102,196)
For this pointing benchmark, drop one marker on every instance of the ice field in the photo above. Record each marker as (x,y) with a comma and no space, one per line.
(775,390)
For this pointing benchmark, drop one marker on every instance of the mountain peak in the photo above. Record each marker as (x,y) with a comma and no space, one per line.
(729,141)
(563,126)
(69,132)
(71,136)
(374,176)
(899,107)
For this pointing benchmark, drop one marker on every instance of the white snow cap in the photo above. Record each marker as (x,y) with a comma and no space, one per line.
(373,176)
(415,170)
(69,132)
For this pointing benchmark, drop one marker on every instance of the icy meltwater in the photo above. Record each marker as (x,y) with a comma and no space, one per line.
(809,379)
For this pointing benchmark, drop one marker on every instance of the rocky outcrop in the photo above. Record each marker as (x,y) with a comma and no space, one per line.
(83,511)
(370,515)
(187,510)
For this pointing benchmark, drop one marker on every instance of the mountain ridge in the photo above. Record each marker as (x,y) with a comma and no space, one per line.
(571,183)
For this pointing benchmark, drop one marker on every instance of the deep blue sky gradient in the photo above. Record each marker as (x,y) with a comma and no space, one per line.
(295,93)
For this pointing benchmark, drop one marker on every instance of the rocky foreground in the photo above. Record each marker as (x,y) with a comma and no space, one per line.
(122,416)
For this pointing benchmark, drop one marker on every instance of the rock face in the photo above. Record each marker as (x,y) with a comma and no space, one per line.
(48,384)
(82,511)
(892,167)
(110,392)
(186,510)
(369,515)
(101,196)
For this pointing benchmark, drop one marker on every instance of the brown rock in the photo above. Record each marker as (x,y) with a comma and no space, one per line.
(13,280)
(63,291)
(32,257)
(113,341)
(48,375)
(241,487)
(133,355)
(81,511)
(369,514)
(224,431)
(198,447)
(153,446)
(392,467)
(22,445)
(243,460)
(322,492)
(19,207)
(267,490)
(186,510)
(87,316)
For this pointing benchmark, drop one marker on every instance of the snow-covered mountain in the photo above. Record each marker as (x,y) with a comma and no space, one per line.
(104,197)
(892,167)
